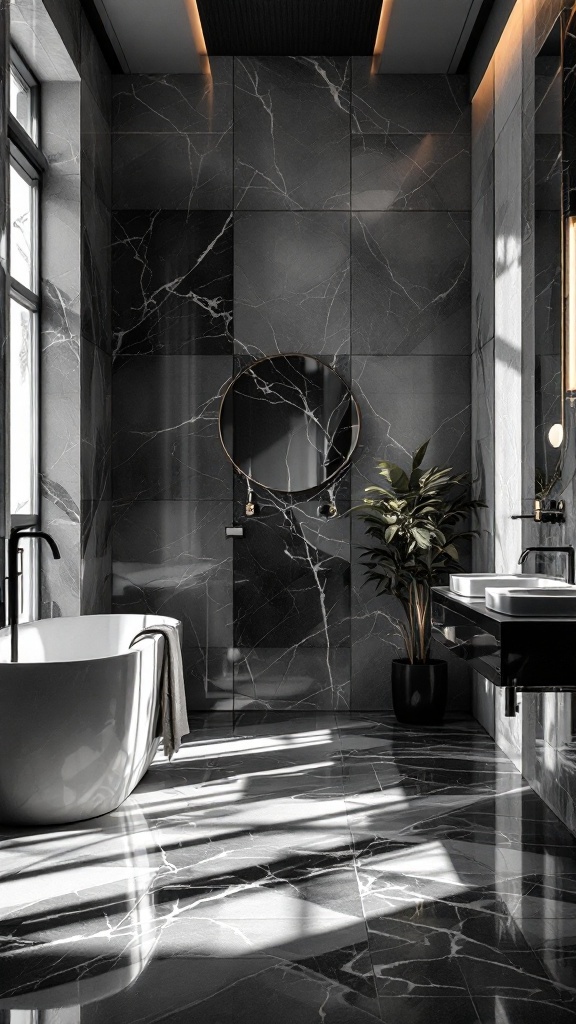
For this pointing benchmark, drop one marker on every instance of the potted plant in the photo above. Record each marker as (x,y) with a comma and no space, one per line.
(414,522)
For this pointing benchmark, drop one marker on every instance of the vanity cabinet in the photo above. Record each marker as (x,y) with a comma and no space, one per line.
(536,655)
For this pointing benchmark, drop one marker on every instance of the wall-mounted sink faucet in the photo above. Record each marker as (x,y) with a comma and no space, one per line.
(16,534)
(546,510)
(568,551)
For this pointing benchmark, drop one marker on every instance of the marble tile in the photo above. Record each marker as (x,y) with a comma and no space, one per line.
(298,678)
(545,14)
(335,986)
(173,558)
(508,66)
(482,245)
(157,170)
(548,175)
(292,283)
(412,1009)
(174,103)
(60,581)
(389,389)
(508,386)
(291,133)
(173,282)
(67,18)
(60,418)
(411,283)
(96,554)
(411,172)
(165,428)
(96,315)
(482,137)
(95,423)
(60,350)
(508,1009)
(61,199)
(230,875)
(407,104)
(292,576)
(209,673)
(94,70)
(96,159)
(50,35)
(482,427)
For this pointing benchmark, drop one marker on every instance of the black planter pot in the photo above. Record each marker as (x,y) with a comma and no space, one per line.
(419,691)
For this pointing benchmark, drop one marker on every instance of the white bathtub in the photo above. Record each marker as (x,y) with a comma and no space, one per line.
(79,716)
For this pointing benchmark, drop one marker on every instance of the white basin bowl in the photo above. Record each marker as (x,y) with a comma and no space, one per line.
(552,602)
(474,584)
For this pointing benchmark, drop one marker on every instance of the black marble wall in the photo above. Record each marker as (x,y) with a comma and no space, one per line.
(287,204)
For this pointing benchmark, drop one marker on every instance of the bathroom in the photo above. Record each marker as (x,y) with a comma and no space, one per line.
(203,204)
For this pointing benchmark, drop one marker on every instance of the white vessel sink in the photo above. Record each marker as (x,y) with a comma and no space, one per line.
(474,584)
(550,602)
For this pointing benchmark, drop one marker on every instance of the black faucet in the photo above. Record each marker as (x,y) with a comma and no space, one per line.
(568,551)
(15,535)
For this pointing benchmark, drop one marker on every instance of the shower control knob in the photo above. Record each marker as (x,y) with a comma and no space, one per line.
(327,511)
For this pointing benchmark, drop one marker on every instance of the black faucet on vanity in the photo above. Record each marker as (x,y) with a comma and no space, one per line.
(568,551)
(16,534)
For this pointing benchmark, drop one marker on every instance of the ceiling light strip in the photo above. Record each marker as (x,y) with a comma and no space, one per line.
(198,36)
(381,34)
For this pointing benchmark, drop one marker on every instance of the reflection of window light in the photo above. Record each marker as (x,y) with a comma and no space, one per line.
(259,744)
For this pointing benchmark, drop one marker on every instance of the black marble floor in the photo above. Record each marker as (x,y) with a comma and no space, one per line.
(315,869)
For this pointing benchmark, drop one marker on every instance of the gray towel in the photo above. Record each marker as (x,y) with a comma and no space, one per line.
(172,694)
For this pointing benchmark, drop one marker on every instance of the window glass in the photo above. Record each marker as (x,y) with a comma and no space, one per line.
(23,418)
(22,202)
(23,460)
(21,102)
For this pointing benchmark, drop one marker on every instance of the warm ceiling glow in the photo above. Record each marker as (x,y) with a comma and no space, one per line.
(381,34)
(198,35)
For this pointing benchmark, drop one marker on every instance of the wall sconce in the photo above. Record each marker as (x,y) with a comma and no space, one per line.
(556,435)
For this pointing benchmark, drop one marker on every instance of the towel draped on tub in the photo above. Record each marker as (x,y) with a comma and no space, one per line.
(174,718)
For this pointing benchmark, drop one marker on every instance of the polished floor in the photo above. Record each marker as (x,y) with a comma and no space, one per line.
(299,870)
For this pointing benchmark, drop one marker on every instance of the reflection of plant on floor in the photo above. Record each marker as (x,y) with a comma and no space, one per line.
(415,522)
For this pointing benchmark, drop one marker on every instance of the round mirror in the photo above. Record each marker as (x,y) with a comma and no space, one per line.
(289,423)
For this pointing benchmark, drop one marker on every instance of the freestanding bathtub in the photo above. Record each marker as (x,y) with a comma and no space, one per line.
(79,714)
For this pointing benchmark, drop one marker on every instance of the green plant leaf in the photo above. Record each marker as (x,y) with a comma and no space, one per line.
(396,476)
(418,456)
(422,537)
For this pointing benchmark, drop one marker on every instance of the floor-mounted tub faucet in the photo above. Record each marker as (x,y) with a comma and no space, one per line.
(15,536)
(568,551)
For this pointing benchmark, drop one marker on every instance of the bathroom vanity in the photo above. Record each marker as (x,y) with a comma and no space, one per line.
(535,654)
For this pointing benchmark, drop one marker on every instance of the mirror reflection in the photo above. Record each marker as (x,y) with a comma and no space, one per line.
(289,423)
(548,263)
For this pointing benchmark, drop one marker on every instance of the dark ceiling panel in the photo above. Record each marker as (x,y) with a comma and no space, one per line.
(287,27)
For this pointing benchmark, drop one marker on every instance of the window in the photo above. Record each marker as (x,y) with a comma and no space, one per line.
(26,166)
(23,97)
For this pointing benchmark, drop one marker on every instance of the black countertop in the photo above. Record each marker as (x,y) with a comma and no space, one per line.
(474,609)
